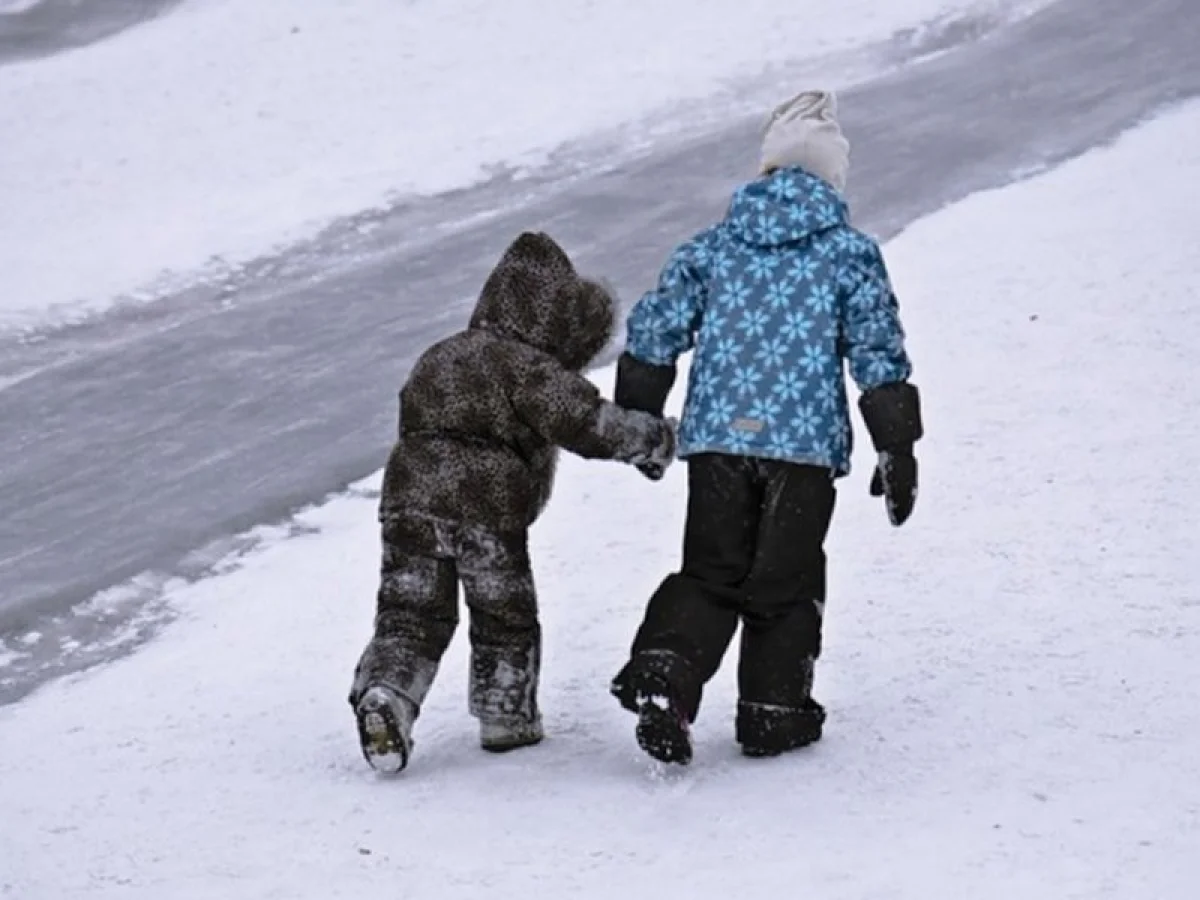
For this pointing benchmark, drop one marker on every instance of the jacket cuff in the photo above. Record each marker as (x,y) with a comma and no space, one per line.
(642,386)
(892,413)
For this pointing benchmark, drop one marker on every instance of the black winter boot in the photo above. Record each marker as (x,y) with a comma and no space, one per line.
(643,687)
(764,729)
(662,728)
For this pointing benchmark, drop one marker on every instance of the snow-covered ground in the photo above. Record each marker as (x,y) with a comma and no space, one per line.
(226,129)
(1012,681)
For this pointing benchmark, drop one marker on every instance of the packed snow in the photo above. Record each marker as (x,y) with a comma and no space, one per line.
(12,7)
(1011,677)
(185,146)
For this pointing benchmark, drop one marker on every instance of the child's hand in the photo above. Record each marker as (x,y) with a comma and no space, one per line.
(653,471)
(895,480)
(663,453)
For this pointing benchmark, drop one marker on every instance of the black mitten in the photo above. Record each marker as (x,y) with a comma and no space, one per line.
(895,480)
(642,385)
(892,413)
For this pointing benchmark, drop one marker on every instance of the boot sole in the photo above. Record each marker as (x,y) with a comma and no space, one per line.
(379,736)
(506,746)
(755,752)
(661,732)
(803,739)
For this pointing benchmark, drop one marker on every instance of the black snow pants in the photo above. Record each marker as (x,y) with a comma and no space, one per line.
(424,560)
(753,552)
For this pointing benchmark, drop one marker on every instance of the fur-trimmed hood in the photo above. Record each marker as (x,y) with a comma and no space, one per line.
(535,296)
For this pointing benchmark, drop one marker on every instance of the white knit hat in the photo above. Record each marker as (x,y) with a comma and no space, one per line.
(804,131)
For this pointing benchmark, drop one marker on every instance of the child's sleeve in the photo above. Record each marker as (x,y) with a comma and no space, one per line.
(566,409)
(873,336)
(873,342)
(662,327)
(663,324)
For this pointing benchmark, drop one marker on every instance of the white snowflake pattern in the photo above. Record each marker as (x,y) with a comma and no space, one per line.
(739,441)
(765,409)
(753,323)
(790,385)
(720,411)
(780,293)
(796,325)
(804,268)
(783,189)
(734,294)
(704,384)
(773,352)
(745,379)
(762,266)
(727,351)
(721,264)
(821,299)
(814,359)
(829,394)
(807,421)
(781,443)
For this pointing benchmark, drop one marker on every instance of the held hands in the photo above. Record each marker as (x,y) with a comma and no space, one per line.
(895,480)
(661,456)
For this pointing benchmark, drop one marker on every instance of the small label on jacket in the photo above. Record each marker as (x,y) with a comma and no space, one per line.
(753,425)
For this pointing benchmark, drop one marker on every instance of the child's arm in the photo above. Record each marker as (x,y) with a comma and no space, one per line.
(662,327)
(879,364)
(567,410)
(874,347)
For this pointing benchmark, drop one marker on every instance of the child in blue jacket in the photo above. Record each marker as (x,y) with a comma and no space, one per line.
(774,300)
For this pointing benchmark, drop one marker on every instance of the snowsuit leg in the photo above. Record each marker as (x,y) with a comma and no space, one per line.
(416,612)
(783,611)
(785,594)
(693,615)
(753,552)
(506,637)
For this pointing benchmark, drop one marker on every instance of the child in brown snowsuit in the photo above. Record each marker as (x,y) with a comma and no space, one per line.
(481,417)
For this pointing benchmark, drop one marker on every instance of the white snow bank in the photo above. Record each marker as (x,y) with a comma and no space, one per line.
(226,128)
(1011,678)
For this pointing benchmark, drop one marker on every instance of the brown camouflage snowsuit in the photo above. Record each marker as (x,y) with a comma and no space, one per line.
(481,418)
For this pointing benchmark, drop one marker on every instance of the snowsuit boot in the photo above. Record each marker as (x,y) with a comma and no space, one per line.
(769,729)
(652,686)
(502,735)
(385,721)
